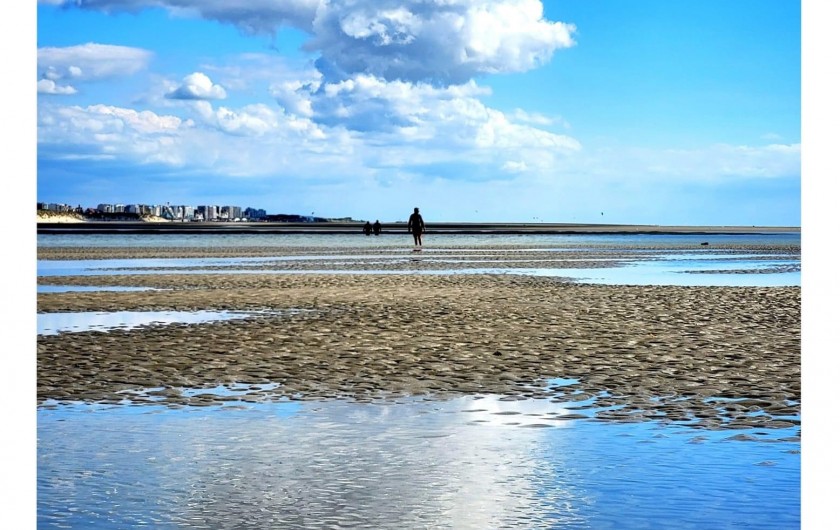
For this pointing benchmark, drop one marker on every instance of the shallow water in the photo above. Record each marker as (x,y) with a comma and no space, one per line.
(54,323)
(667,267)
(404,240)
(469,462)
(463,463)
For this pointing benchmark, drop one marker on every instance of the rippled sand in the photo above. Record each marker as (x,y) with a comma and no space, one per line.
(712,356)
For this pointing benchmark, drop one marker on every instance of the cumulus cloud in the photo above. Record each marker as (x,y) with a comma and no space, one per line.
(367,103)
(252,141)
(48,86)
(428,116)
(197,86)
(90,61)
(253,120)
(435,41)
(499,132)
(118,119)
(105,131)
(294,96)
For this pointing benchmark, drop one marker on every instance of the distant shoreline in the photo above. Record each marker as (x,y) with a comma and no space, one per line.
(140,227)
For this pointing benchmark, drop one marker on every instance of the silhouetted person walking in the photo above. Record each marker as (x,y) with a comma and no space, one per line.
(416,226)
(377,228)
(367,228)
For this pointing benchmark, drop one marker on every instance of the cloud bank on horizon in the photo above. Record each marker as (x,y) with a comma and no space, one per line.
(475,110)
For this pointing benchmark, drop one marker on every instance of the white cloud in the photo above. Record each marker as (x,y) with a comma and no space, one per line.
(511,166)
(258,120)
(144,122)
(531,117)
(710,164)
(294,96)
(90,61)
(438,42)
(390,26)
(512,36)
(447,117)
(498,132)
(442,42)
(770,161)
(251,141)
(253,120)
(197,86)
(103,131)
(48,86)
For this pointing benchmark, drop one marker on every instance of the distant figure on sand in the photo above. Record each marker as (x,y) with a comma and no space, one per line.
(367,228)
(416,226)
(377,228)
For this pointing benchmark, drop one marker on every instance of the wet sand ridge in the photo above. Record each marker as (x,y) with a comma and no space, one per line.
(671,353)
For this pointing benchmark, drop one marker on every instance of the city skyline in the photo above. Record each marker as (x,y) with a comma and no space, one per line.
(644,112)
(171,211)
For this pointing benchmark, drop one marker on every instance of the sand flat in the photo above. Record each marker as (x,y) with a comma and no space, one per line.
(718,356)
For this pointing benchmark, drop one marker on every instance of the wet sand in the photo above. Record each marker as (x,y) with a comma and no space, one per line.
(718,357)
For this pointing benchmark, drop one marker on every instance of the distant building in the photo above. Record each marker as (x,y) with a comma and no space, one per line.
(56,207)
(232,212)
(168,212)
(209,212)
(256,214)
(187,212)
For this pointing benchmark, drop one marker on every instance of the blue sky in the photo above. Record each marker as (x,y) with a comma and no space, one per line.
(640,112)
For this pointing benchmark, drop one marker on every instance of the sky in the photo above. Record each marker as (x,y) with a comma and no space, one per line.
(579,111)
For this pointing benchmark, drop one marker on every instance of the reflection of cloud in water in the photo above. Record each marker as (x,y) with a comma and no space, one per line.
(416,464)
(531,413)
(89,288)
(405,466)
(648,268)
(53,323)
(411,464)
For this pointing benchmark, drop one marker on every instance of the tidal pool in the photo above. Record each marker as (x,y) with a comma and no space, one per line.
(73,322)
(472,462)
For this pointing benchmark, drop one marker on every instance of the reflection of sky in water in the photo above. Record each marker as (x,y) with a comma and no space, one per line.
(403,240)
(685,273)
(412,464)
(52,323)
(664,270)
(88,288)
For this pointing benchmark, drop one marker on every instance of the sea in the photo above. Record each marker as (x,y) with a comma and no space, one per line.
(471,462)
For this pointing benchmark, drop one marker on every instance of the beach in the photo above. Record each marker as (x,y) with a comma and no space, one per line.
(718,357)
(487,381)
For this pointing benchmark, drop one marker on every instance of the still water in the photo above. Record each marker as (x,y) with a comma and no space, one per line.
(403,240)
(477,462)
(474,463)
(665,259)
